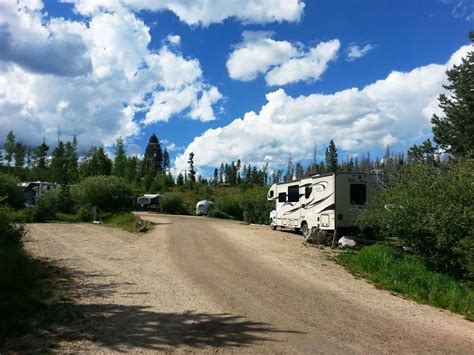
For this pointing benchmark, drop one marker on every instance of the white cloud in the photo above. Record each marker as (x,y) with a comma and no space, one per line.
(307,67)
(174,40)
(281,61)
(256,55)
(124,77)
(395,110)
(355,52)
(204,12)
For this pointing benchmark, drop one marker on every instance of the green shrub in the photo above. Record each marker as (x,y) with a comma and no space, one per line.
(126,221)
(47,206)
(172,203)
(10,234)
(25,215)
(230,205)
(215,213)
(395,270)
(430,209)
(255,206)
(108,193)
(67,217)
(9,190)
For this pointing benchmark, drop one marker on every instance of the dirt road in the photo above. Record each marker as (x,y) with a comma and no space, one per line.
(197,284)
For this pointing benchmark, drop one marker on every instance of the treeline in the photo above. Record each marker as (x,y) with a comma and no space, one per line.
(66,166)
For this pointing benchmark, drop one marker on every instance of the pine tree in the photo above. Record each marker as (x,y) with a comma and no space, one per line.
(71,160)
(455,130)
(331,157)
(153,159)
(180,180)
(166,159)
(20,154)
(39,155)
(59,164)
(9,147)
(120,161)
(192,172)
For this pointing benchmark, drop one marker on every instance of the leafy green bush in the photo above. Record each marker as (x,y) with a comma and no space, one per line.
(215,213)
(108,193)
(172,203)
(9,190)
(47,206)
(25,215)
(230,205)
(430,209)
(255,206)
(127,221)
(10,234)
(397,271)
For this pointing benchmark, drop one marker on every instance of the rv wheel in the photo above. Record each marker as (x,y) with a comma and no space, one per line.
(320,237)
(273,227)
(305,230)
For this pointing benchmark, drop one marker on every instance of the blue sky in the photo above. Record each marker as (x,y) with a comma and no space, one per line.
(364,73)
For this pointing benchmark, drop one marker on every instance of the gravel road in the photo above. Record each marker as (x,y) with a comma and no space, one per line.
(195,284)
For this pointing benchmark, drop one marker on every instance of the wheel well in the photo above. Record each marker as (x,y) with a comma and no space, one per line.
(303,222)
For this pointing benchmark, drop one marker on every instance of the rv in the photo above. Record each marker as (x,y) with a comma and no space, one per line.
(203,207)
(320,206)
(150,202)
(35,189)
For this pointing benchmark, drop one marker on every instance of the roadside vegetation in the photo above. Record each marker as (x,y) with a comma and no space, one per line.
(27,285)
(400,272)
(428,211)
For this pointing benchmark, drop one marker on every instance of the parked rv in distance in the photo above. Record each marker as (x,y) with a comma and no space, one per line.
(34,189)
(321,206)
(149,202)
(203,207)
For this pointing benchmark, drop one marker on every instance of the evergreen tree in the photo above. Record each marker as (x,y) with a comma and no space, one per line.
(1,158)
(153,159)
(131,166)
(104,163)
(166,159)
(180,180)
(455,130)
(215,177)
(331,157)
(9,147)
(120,161)
(425,152)
(192,172)
(28,156)
(71,160)
(59,164)
(20,154)
(39,155)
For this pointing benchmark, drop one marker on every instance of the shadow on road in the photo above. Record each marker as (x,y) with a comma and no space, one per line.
(124,327)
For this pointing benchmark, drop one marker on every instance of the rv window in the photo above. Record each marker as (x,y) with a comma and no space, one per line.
(272,193)
(282,197)
(358,194)
(307,191)
(293,193)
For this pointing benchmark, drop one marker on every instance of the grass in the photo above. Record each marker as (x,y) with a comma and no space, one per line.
(394,270)
(126,221)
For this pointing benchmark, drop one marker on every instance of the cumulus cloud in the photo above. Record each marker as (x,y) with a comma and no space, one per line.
(355,52)
(308,67)
(282,62)
(204,12)
(394,110)
(39,49)
(98,101)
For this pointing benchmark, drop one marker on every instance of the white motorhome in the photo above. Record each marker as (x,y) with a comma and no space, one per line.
(320,206)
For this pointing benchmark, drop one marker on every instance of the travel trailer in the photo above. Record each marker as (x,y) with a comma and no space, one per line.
(203,207)
(149,202)
(321,206)
(34,189)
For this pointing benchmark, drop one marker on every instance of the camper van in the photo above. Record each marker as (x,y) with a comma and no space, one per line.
(320,206)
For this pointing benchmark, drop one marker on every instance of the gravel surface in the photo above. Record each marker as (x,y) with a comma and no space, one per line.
(195,284)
